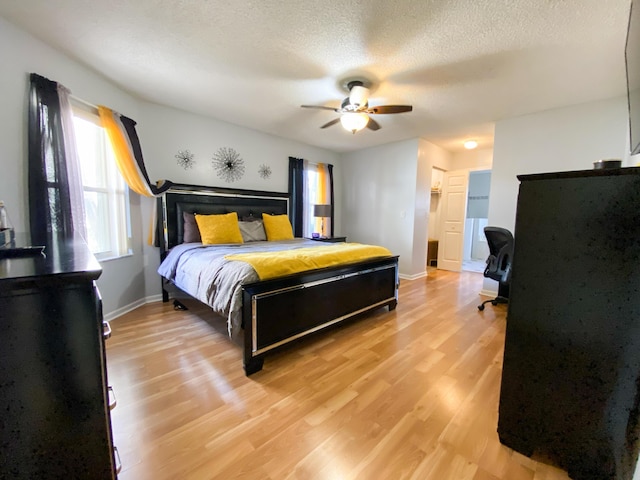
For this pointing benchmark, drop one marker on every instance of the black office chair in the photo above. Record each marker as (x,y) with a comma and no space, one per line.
(498,267)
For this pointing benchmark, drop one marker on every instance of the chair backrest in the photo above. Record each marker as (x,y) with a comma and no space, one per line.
(500,241)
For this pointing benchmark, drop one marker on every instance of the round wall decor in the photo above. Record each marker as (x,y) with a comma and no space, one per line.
(228,164)
(264,171)
(185,159)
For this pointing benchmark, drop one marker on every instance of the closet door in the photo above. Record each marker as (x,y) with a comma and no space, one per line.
(453,214)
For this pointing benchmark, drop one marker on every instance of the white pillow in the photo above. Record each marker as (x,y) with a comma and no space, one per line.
(252,231)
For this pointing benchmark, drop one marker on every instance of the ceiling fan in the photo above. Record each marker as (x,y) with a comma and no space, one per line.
(355,110)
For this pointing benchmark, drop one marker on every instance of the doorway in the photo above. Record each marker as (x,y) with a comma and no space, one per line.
(476,249)
(433,228)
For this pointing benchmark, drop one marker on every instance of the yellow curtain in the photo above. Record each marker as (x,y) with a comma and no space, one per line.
(123,150)
(322,198)
(322,183)
(128,153)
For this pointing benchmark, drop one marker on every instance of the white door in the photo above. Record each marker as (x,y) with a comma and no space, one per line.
(453,213)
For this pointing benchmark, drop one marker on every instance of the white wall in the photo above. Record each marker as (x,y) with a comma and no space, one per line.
(386,198)
(121,282)
(127,281)
(167,130)
(477,159)
(21,55)
(164,131)
(379,197)
(384,191)
(564,139)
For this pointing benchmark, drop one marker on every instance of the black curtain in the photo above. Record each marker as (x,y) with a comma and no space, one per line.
(330,168)
(130,129)
(49,202)
(296,194)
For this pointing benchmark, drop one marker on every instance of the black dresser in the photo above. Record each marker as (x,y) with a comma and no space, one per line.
(54,400)
(570,381)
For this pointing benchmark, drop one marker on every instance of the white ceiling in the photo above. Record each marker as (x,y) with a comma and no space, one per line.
(462,64)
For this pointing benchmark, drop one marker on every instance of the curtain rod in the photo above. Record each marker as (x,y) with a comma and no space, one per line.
(316,163)
(83,102)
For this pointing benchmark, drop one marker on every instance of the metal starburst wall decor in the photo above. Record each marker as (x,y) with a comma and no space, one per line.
(228,164)
(185,159)
(264,171)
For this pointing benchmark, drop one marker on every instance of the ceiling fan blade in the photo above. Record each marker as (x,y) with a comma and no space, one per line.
(332,122)
(321,107)
(373,125)
(389,109)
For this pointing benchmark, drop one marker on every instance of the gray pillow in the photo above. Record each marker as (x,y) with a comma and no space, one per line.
(252,231)
(190,232)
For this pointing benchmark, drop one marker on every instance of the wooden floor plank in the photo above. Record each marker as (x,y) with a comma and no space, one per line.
(411,393)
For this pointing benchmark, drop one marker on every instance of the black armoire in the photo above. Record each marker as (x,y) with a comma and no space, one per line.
(572,351)
(54,401)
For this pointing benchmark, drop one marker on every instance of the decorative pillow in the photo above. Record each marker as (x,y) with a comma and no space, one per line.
(190,232)
(278,227)
(252,231)
(216,229)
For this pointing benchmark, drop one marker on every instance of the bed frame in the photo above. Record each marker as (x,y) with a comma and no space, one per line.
(279,311)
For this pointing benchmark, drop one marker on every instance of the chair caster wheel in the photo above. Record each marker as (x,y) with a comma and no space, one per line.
(481,307)
(494,303)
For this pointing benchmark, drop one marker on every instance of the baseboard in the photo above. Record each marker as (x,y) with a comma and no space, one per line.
(413,277)
(153,298)
(489,293)
(132,306)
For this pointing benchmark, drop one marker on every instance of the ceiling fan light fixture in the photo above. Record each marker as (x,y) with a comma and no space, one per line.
(358,95)
(354,122)
(470,144)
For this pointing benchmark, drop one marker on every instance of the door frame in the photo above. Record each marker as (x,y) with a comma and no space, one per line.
(452,222)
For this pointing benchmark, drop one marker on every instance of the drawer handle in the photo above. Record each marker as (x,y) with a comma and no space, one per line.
(106,329)
(118,462)
(112,398)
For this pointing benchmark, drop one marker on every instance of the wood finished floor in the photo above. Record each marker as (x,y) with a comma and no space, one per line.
(408,394)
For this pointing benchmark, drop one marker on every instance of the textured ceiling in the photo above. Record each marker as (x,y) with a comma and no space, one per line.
(462,64)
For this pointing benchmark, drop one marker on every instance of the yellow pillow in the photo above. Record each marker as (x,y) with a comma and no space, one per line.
(278,227)
(216,229)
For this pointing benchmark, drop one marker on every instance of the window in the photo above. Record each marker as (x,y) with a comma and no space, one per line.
(315,193)
(310,184)
(310,224)
(481,223)
(106,196)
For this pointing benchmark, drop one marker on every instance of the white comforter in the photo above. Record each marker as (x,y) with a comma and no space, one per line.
(204,273)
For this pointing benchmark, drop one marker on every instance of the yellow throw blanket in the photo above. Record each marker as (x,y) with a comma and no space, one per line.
(287,262)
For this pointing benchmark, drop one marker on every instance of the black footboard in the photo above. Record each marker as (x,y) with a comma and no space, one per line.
(277,312)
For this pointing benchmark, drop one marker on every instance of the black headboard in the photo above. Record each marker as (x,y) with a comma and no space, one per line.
(207,200)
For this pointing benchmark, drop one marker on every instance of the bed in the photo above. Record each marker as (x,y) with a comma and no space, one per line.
(264,315)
